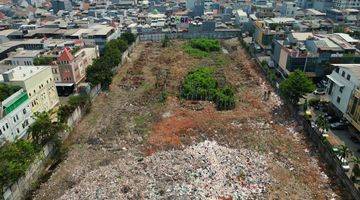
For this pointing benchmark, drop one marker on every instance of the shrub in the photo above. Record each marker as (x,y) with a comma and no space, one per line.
(313,101)
(128,37)
(64,112)
(42,60)
(200,84)
(79,100)
(7,90)
(195,52)
(204,44)
(15,159)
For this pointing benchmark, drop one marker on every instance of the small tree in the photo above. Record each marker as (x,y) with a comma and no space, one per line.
(356,168)
(296,86)
(166,41)
(322,122)
(344,151)
(43,129)
(128,37)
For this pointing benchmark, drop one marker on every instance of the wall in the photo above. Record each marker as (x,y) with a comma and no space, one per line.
(25,184)
(214,34)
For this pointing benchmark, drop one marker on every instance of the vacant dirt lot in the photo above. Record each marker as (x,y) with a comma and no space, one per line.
(138,140)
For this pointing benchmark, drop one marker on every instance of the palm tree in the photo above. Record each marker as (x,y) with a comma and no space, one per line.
(322,122)
(356,168)
(344,151)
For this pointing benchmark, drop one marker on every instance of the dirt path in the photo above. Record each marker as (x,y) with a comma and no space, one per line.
(142,115)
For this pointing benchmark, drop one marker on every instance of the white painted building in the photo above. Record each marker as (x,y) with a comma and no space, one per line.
(241,17)
(344,79)
(23,57)
(288,9)
(39,84)
(16,116)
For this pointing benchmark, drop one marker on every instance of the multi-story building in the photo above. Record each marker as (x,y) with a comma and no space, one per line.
(288,9)
(15,116)
(353,111)
(58,5)
(70,68)
(312,53)
(343,81)
(344,4)
(269,29)
(39,84)
(23,57)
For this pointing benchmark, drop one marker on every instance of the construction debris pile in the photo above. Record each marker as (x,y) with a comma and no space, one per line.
(202,171)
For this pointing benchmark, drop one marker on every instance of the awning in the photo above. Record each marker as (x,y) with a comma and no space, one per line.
(337,82)
(64,84)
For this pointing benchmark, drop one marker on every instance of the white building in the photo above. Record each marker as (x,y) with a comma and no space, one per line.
(23,57)
(241,17)
(288,9)
(39,84)
(344,79)
(15,116)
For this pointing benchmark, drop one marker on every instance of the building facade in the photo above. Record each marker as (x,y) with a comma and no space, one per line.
(39,84)
(16,116)
(343,81)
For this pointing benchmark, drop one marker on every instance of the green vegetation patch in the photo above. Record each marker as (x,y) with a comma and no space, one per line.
(201,84)
(200,48)
(7,90)
(42,60)
(15,159)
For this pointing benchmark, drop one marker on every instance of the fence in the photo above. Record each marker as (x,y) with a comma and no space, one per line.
(324,148)
(186,35)
(25,184)
(125,55)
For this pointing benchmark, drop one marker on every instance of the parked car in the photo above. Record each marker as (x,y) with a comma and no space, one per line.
(344,164)
(338,126)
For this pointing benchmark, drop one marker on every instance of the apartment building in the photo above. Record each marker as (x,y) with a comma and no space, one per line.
(15,116)
(344,4)
(39,84)
(343,81)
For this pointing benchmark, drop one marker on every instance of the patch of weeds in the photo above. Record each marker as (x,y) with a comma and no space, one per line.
(197,53)
(163,96)
(220,59)
(141,123)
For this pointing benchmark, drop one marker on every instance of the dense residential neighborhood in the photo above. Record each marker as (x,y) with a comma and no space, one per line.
(179,99)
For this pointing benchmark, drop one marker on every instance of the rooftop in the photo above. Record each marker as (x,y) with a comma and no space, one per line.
(21,73)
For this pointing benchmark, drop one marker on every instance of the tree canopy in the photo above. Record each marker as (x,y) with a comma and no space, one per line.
(42,60)
(101,71)
(128,37)
(296,86)
(7,90)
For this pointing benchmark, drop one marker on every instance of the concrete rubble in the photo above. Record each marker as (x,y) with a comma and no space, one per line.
(203,171)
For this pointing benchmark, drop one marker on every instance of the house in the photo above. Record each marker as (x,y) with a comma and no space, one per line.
(241,18)
(39,84)
(269,29)
(70,68)
(312,53)
(23,57)
(288,9)
(15,116)
(342,83)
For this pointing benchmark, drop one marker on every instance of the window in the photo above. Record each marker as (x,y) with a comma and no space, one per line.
(348,77)
(4,128)
(343,74)
(341,89)
(337,70)
(7,126)
(18,130)
(14,119)
(17,117)
(24,111)
(338,99)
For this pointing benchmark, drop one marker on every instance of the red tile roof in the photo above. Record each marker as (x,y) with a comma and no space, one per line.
(66,55)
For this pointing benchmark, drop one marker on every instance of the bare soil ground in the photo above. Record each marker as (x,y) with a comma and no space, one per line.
(132,121)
